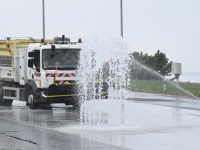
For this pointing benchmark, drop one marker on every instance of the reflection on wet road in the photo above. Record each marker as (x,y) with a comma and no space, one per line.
(47,116)
(131,124)
(144,126)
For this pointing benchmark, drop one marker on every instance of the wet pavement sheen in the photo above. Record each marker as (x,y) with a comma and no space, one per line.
(138,125)
(22,128)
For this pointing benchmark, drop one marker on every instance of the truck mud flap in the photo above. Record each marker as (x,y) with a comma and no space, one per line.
(63,90)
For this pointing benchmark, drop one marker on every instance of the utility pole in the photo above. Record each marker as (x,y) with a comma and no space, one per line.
(121,20)
(121,16)
(43,19)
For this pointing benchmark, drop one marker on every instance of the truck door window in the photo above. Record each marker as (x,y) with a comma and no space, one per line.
(37,59)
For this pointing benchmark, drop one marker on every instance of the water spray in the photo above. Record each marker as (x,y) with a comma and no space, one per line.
(104,62)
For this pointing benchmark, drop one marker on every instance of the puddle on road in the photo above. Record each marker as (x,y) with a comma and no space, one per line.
(49,116)
(143,124)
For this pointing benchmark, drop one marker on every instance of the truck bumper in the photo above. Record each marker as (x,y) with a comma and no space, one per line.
(59,94)
(67,94)
(68,90)
(70,93)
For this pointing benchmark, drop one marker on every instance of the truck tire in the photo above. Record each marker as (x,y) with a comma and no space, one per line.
(30,99)
(76,102)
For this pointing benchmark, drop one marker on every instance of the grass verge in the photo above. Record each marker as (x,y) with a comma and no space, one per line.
(157,86)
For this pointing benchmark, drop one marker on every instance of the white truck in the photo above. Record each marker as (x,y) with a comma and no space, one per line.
(41,72)
(38,71)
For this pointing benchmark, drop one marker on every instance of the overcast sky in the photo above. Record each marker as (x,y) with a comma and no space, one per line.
(172,26)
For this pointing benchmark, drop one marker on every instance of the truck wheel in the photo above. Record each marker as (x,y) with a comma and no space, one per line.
(105,90)
(106,96)
(30,99)
(77,102)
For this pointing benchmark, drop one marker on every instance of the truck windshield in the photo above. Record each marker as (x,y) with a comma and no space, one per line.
(66,59)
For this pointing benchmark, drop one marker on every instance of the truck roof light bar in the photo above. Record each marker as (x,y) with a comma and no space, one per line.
(61,40)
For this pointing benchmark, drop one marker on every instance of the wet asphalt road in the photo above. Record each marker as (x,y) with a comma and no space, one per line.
(21,128)
(16,135)
(146,126)
(166,100)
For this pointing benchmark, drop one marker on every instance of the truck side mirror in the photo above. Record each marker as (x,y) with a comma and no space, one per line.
(53,51)
(30,63)
(30,54)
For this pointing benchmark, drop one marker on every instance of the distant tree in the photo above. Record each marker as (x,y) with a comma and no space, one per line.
(161,64)
(143,66)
